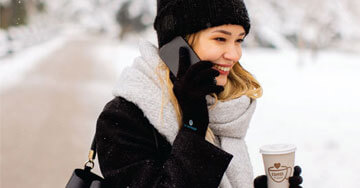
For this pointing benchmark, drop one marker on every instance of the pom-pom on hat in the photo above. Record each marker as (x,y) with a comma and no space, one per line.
(182,17)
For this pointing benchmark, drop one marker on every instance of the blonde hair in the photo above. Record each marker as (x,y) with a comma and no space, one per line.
(240,82)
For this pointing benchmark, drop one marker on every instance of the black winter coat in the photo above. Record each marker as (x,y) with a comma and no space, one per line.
(132,153)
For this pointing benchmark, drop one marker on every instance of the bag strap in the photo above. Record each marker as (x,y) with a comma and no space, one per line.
(92,152)
(93,148)
(91,157)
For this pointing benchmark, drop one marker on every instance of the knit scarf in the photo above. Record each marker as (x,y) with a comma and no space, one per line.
(229,120)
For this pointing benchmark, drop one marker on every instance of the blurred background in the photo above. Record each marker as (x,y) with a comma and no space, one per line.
(59,61)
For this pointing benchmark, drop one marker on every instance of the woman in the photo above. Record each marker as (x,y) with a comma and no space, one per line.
(184,130)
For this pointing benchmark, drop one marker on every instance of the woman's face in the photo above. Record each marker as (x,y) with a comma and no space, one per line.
(222,46)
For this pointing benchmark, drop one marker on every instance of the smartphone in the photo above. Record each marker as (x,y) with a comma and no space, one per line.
(169,53)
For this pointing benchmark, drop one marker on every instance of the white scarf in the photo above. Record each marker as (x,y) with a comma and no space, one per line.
(228,120)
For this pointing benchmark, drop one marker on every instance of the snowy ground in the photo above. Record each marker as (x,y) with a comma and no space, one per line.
(311,103)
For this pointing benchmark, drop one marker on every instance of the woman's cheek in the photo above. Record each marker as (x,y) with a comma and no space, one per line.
(211,54)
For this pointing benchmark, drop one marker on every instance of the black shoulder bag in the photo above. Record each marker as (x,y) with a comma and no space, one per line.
(84,178)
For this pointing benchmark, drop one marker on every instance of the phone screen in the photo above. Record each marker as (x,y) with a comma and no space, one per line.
(169,53)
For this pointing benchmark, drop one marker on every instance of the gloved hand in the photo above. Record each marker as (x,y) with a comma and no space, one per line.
(191,85)
(295,180)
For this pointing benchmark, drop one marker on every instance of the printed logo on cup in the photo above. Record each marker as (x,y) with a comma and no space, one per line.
(279,173)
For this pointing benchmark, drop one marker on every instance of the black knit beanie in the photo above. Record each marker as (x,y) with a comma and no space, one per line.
(182,17)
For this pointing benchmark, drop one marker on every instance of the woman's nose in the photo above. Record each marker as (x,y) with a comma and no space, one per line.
(233,53)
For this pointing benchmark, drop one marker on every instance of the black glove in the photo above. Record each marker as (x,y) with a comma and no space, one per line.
(191,85)
(295,180)
(260,182)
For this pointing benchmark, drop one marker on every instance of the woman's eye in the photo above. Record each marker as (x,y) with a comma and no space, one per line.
(220,39)
(223,40)
(240,40)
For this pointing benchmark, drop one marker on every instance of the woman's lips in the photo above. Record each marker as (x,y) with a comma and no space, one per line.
(223,69)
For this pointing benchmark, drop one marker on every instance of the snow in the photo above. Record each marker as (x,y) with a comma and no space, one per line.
(310,101)
(4,2)
(280,24)
(313,105)
(117,55)
(13,68)
(318,24)
(3,43)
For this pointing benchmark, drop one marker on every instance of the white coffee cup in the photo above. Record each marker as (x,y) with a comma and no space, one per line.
(279,164)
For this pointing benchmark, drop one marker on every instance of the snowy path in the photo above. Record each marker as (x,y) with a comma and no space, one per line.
(49,117)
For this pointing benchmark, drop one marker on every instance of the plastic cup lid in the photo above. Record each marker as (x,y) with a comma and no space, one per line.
(277,149)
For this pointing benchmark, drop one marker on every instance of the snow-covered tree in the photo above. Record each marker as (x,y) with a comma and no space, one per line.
(305,24)
(281,24)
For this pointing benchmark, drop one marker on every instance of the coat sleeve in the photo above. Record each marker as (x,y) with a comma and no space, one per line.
(128,156)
